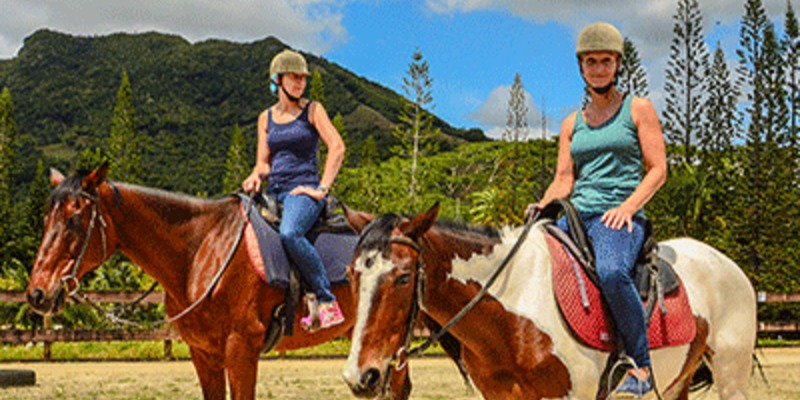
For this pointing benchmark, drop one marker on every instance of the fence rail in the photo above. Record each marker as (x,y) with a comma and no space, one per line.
(167,335)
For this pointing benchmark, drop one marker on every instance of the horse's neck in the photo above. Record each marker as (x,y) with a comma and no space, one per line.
(161,232)
(461,278)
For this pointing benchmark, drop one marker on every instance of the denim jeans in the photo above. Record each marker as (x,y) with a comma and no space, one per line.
(615,253)
(299,214)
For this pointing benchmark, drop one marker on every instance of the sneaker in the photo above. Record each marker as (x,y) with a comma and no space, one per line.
(330,314)
(633,388)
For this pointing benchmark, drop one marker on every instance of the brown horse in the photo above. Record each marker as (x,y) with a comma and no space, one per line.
(515,343)
(183,243)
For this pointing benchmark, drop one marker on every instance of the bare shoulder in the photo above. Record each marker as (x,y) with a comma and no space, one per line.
(642,110)
(568,125)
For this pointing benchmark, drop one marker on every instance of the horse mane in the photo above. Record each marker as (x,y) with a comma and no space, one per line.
(377,234)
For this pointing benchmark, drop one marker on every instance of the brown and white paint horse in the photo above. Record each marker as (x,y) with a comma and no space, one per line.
(182,242)
(515,343)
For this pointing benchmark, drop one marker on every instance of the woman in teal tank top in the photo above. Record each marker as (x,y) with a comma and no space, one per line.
(611,161)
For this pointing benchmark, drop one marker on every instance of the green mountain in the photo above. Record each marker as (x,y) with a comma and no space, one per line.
(188,98)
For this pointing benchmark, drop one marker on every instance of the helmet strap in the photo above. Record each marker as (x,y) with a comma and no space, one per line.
(291,98)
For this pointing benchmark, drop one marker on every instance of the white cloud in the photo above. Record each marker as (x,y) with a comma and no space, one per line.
(311,25)
(492,114)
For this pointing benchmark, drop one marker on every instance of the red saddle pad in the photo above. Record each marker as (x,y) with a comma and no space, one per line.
(592,326)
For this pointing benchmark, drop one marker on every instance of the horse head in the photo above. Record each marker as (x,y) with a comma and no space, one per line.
(386,274)
(76,239)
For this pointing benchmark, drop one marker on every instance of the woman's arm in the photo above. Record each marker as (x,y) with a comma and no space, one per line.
(262,167)
(330,136)
(564,178)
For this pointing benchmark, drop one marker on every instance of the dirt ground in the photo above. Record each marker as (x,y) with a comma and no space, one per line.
(433,378)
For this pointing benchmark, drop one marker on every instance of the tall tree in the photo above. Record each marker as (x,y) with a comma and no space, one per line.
(517,114)
(317,91)
(791,49)
(415,130)
(236,166)
(124,145)
(8,154)
(685,83)
(761,228)
(632,75)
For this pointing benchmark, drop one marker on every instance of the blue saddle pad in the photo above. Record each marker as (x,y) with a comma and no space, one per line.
(335,248)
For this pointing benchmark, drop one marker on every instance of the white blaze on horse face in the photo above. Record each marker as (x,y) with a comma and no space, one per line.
(369,276)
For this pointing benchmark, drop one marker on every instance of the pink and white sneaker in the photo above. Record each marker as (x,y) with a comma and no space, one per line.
(325,316)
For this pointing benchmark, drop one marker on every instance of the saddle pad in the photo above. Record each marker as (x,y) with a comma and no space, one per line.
(592,326)
(270,261)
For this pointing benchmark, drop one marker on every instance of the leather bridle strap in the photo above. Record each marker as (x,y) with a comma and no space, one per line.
(72,276)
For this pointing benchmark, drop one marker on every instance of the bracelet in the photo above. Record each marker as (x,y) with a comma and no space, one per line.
(322,189)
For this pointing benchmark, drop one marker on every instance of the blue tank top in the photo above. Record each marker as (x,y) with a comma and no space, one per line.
(608,161)
(293,150)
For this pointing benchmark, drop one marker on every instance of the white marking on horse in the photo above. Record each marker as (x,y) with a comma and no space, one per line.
(368,285)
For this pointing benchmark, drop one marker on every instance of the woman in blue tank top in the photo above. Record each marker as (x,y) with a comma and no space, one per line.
(611,161)
(288,137)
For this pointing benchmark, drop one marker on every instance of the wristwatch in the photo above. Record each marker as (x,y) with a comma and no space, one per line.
(322,189)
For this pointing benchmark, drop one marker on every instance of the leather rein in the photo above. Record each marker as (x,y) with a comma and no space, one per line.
(72,276)
(400,359)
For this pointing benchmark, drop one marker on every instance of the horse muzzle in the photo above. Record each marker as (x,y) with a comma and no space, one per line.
(45,304)
(368,384)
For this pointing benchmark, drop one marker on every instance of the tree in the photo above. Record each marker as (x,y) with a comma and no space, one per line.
(760,227)
(632,76)
(236,167)
(517,120)
(124,145)
(317,91)
(415,130)
(8,154)
(685,83)
(369,152)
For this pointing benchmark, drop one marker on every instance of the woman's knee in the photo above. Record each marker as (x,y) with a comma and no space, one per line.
(613,278)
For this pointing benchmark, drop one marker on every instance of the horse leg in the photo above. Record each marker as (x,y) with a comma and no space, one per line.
(210,372)
(241,360)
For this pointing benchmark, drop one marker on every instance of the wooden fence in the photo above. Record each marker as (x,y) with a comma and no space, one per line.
(167,335)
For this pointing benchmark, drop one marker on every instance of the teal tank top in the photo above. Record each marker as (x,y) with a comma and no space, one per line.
(608,161)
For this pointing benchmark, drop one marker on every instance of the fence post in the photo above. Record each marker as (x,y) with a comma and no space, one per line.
(47,326)
(168,350)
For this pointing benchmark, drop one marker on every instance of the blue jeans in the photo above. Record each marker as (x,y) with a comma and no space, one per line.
(616,252)
(299,214)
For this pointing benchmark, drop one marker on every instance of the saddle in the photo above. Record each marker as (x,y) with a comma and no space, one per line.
(331,236)
(653,274)
(581,303)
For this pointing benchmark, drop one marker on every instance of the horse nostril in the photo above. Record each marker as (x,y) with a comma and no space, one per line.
(371,378)
(36,297)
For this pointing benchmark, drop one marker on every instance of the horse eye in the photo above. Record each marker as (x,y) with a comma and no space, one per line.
(403,280)
(74,223)
(369,262)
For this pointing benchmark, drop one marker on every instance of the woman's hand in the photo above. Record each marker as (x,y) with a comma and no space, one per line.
(252,183)
(314,193)
(531,210)
(618,217)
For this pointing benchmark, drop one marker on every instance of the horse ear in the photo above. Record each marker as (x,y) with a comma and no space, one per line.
(56,177)
(357,219)
(421,223)
(95,178)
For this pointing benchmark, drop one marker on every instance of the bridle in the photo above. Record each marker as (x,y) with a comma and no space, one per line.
(400,359)
(72,276)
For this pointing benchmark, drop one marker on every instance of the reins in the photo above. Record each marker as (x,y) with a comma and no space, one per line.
(403,354)
(72,276)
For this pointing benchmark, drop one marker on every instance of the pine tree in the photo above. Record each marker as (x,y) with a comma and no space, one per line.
(761,228)
(685,83)
(517,120)
(632,75)
(236,166)
(317,92)
(791,48)
(369,152)
(124,144)
(415,130)
(8,154)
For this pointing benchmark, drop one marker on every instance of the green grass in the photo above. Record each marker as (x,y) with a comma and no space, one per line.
(154,350)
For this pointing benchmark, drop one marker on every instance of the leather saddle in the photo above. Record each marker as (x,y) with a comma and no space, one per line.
(329,220)
(654,276)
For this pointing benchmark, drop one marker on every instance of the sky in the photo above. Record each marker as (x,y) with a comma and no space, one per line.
(474,47)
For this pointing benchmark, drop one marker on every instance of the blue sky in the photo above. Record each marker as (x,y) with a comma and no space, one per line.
(474,47)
